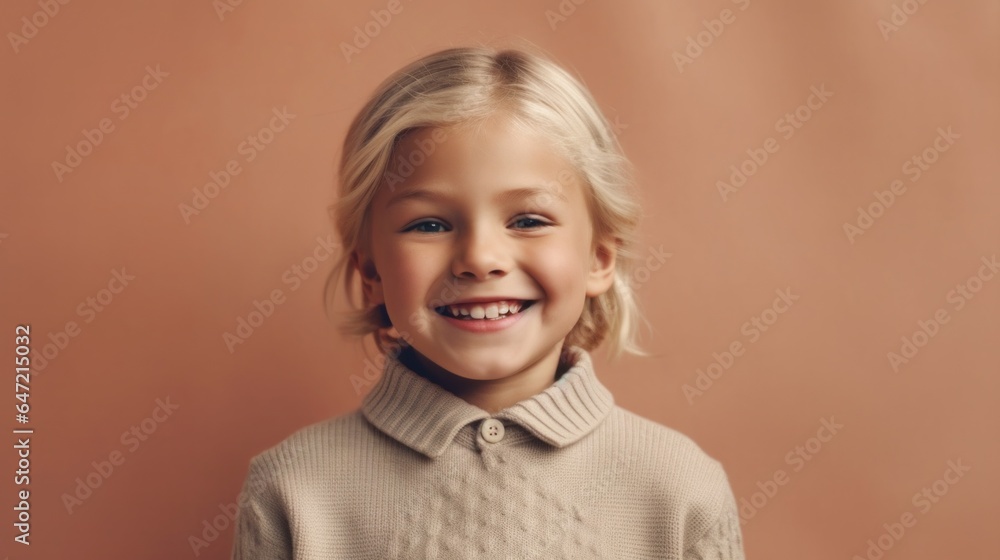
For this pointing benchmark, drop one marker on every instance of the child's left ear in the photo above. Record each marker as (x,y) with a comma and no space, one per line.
(602,268)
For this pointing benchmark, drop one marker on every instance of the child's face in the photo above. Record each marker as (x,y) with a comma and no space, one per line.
(478,237)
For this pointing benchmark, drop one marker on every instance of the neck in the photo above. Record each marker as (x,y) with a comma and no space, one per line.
(491,395)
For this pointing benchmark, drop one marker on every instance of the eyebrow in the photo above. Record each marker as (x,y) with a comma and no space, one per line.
(504,197)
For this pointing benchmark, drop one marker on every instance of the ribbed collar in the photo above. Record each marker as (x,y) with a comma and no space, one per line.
(425,417)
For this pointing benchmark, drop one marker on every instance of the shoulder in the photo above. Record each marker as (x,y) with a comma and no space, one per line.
(674,470)
(314,450)
(289,477)
(659,445)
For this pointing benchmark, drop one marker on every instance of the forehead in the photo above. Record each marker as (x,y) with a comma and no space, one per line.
(485,158)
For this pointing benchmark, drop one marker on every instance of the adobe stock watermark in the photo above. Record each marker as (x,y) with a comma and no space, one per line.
(212,528)
(371,370)
(88,309)
(913,168)
(225,7)
(698,42)
(653,262)
(401,166)
(407,164)
(132,439)
(787,126)
(293,277)
(122,106)
(753,329)
(31,25)
(797,458)
(249,148)
(958,297)
(618,127)
(557,189)
(564,10)
(899,17)
(450,292)
(923,500)
(365,34)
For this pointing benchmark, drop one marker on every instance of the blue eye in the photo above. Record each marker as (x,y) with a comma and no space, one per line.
(436,226)
(534,222)
(427,223)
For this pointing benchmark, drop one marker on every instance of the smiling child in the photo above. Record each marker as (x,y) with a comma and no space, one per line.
(489,218)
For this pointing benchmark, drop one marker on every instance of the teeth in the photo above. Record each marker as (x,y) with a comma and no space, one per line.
(488,311)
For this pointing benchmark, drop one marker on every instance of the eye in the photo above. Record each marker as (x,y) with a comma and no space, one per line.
(531,223)
(419,225)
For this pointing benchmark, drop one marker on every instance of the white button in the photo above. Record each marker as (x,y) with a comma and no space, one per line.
(492,430)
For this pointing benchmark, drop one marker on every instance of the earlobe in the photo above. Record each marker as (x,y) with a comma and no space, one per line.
(602,270)
(371,282)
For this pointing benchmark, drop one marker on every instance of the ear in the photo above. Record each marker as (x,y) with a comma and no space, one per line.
(371,282)
(602,268)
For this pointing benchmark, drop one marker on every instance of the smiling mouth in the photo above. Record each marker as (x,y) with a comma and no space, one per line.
(484,311)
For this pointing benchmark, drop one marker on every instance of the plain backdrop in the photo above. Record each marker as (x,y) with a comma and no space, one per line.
(877,208)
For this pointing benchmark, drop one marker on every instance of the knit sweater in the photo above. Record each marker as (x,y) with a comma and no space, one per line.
(419,473)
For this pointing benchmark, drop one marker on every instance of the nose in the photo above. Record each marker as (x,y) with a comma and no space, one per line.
(480,253)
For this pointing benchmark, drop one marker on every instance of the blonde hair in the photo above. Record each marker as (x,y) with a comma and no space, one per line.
(469,85)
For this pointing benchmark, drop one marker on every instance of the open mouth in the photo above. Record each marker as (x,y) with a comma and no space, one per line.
(492,311)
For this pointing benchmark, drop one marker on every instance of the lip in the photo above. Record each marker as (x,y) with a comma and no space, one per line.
(487,325)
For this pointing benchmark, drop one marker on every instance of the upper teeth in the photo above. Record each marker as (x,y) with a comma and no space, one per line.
(485,310)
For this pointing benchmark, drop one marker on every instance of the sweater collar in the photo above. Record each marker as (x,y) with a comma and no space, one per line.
(425,417)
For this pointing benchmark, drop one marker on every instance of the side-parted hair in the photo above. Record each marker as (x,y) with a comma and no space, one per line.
(469,85)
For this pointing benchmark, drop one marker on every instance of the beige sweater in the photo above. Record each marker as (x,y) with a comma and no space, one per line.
(419,473)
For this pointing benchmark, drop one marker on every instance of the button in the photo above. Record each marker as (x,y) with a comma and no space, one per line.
(492,430)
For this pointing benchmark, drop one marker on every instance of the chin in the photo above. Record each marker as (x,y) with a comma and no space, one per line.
(483,372)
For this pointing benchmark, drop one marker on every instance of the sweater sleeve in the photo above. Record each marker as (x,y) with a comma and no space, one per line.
(723,540)
(262,530)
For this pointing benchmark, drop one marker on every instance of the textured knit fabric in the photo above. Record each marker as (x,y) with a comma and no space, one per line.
(418,473)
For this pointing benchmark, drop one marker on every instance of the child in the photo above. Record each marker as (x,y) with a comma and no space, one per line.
(487,210)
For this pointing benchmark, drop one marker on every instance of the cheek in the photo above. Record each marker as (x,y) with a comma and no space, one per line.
(561,269)
(410,271)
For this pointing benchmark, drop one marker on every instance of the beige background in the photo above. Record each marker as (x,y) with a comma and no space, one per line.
(63,234)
